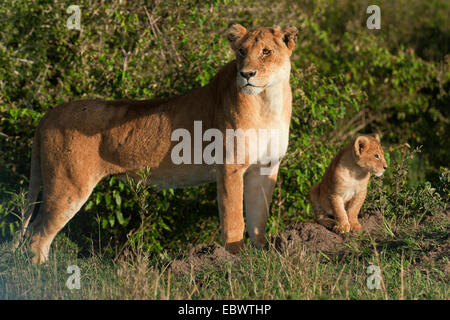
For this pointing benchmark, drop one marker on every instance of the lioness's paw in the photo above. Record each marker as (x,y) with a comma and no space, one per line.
(259,243)
(234,247)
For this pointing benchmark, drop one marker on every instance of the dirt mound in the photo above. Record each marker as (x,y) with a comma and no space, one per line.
(436,255)
(372,222)
(439,218)
(315,237)
(437,250)
(312,236)
(201,257)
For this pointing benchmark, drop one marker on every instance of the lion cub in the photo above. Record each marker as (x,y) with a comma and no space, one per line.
(337,199)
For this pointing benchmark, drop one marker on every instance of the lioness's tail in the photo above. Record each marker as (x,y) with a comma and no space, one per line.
(34,188)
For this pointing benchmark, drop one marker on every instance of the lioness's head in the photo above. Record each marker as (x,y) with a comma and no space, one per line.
(369,154)
(262,56)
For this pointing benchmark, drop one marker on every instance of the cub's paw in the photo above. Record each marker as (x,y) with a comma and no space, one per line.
(342,228)
(355,226)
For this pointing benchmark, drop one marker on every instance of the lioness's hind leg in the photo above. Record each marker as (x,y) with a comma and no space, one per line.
(258,191)
(60,204)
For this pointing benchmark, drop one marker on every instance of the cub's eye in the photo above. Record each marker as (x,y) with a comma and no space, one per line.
(266,52)
(242,52)
(377,156)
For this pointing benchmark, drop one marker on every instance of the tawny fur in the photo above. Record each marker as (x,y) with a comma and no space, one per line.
(338,198)
(79,143)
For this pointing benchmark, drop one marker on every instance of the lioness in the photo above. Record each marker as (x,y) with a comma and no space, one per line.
(79,143)
(337,199)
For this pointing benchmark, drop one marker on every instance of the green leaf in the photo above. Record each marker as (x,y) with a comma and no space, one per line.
(117,198)
(120,218)
(111,220)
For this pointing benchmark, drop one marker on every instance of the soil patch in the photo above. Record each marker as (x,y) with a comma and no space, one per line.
(437,249)
(201,257)
(436,255)
(315,237)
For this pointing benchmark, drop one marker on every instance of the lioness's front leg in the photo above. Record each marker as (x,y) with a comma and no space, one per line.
(258,191)
(230,201)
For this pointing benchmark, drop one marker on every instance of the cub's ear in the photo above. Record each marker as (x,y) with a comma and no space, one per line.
(361,143)
(377,137)
(234,34)
(290,36)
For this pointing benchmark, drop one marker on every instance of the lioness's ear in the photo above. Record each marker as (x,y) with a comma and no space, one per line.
(290,36)
(234,34)
(360,144)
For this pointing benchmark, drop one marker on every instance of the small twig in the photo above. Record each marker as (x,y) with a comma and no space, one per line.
(152,23)
(25,60)
(364,117)
(213,236)
(401,278)
(337,280)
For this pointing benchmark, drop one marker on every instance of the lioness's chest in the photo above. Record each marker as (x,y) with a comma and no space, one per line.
(272,144)
(275,118)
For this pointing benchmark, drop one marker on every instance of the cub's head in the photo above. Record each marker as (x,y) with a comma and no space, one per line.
(262,56)
(369,154)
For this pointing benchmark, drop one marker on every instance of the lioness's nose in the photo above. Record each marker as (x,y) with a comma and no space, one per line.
(247,75)
(385,166)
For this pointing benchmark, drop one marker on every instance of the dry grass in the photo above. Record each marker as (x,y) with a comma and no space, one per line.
(291,274)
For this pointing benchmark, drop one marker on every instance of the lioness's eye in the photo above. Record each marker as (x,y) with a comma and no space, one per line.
(266,52)
(377,156)
(242,52)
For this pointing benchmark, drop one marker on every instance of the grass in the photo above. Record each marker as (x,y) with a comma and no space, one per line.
(410,269)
